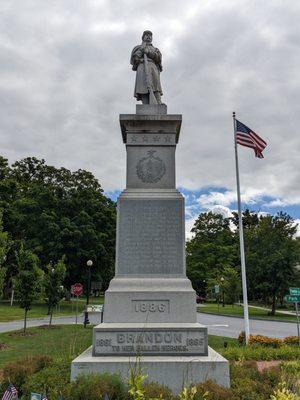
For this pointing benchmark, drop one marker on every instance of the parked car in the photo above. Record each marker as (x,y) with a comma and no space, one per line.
(200,299)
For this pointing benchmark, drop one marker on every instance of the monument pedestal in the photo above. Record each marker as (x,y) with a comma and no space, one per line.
(172,371)
(150,312)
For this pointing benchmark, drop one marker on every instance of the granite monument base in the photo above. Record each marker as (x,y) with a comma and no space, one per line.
(152,299)
(174,372)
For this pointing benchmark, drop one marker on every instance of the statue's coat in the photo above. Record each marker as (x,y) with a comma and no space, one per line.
(154,65)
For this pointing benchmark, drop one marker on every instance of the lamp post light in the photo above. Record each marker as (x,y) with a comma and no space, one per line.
(223,294)
(89,264)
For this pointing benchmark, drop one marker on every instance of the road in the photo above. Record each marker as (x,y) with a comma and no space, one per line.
(217,325)
(233,326)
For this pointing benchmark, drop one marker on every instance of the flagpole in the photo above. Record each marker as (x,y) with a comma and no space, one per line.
(241,234)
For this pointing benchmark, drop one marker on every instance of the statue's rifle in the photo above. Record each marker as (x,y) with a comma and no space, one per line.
(152,98)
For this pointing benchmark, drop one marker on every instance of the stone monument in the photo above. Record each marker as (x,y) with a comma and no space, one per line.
(150,314)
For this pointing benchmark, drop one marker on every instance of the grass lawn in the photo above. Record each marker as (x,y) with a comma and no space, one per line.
(62,341)
(238,311)
(8,313)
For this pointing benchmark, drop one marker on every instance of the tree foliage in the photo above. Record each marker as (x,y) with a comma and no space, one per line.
(4,247)
(271,250)
(211,250)
(272,253)
(27,283)
(57,213)
(52,285)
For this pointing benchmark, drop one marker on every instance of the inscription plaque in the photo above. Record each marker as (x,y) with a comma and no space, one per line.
(151,342)
(150,237)
(151,306)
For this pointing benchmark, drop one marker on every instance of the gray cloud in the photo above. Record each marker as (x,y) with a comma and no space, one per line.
(65,77)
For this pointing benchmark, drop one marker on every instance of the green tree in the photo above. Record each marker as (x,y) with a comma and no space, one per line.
(2,279)
(211,250)
(231,285)
(57,212)
(52,285)
(4,247)
(271,253)
(27,282)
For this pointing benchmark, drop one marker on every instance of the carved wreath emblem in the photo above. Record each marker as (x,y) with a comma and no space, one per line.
(150,169)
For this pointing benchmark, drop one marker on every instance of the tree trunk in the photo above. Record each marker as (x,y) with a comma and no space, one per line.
(281,301)
(273,305)
(49,309)
(25,320)
(51,313)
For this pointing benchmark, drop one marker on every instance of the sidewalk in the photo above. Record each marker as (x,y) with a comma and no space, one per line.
(16,325)
(293,313)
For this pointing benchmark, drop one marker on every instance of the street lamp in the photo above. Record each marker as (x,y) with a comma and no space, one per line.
(223,294)
(89,264)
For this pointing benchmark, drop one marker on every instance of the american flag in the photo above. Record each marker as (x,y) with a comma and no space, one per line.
(10,393)
(246,137)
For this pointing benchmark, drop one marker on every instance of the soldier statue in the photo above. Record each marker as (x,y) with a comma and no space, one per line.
(146,61)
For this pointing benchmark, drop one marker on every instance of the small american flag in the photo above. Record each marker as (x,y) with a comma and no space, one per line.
(246,137)
(10,393)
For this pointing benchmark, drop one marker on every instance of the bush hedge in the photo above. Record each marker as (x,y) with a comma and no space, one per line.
(20,371)
(95,386)
(55,379)
(37,374)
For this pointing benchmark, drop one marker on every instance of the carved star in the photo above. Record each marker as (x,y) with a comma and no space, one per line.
(156,138)
(145,139)
(168,139)
(133,138)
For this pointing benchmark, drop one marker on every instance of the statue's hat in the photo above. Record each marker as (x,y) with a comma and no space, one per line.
(147,32)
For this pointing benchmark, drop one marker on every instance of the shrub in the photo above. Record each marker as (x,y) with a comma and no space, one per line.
(242,338)
(19,371)
(291,375)
(55,379)
(189,394)
(283,393)
(291,368)
(265,341)
(258,352)
(155,390)
(248,383)
(214,391)
(95,386)
(291,340)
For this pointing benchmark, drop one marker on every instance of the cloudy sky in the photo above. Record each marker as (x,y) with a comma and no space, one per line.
(65,77)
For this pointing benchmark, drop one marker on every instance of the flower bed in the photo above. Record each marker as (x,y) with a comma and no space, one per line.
(268,341)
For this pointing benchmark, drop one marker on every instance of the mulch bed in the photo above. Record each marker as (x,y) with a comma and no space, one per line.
(4,346)
(262,365)
(23,334)
(49,327)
